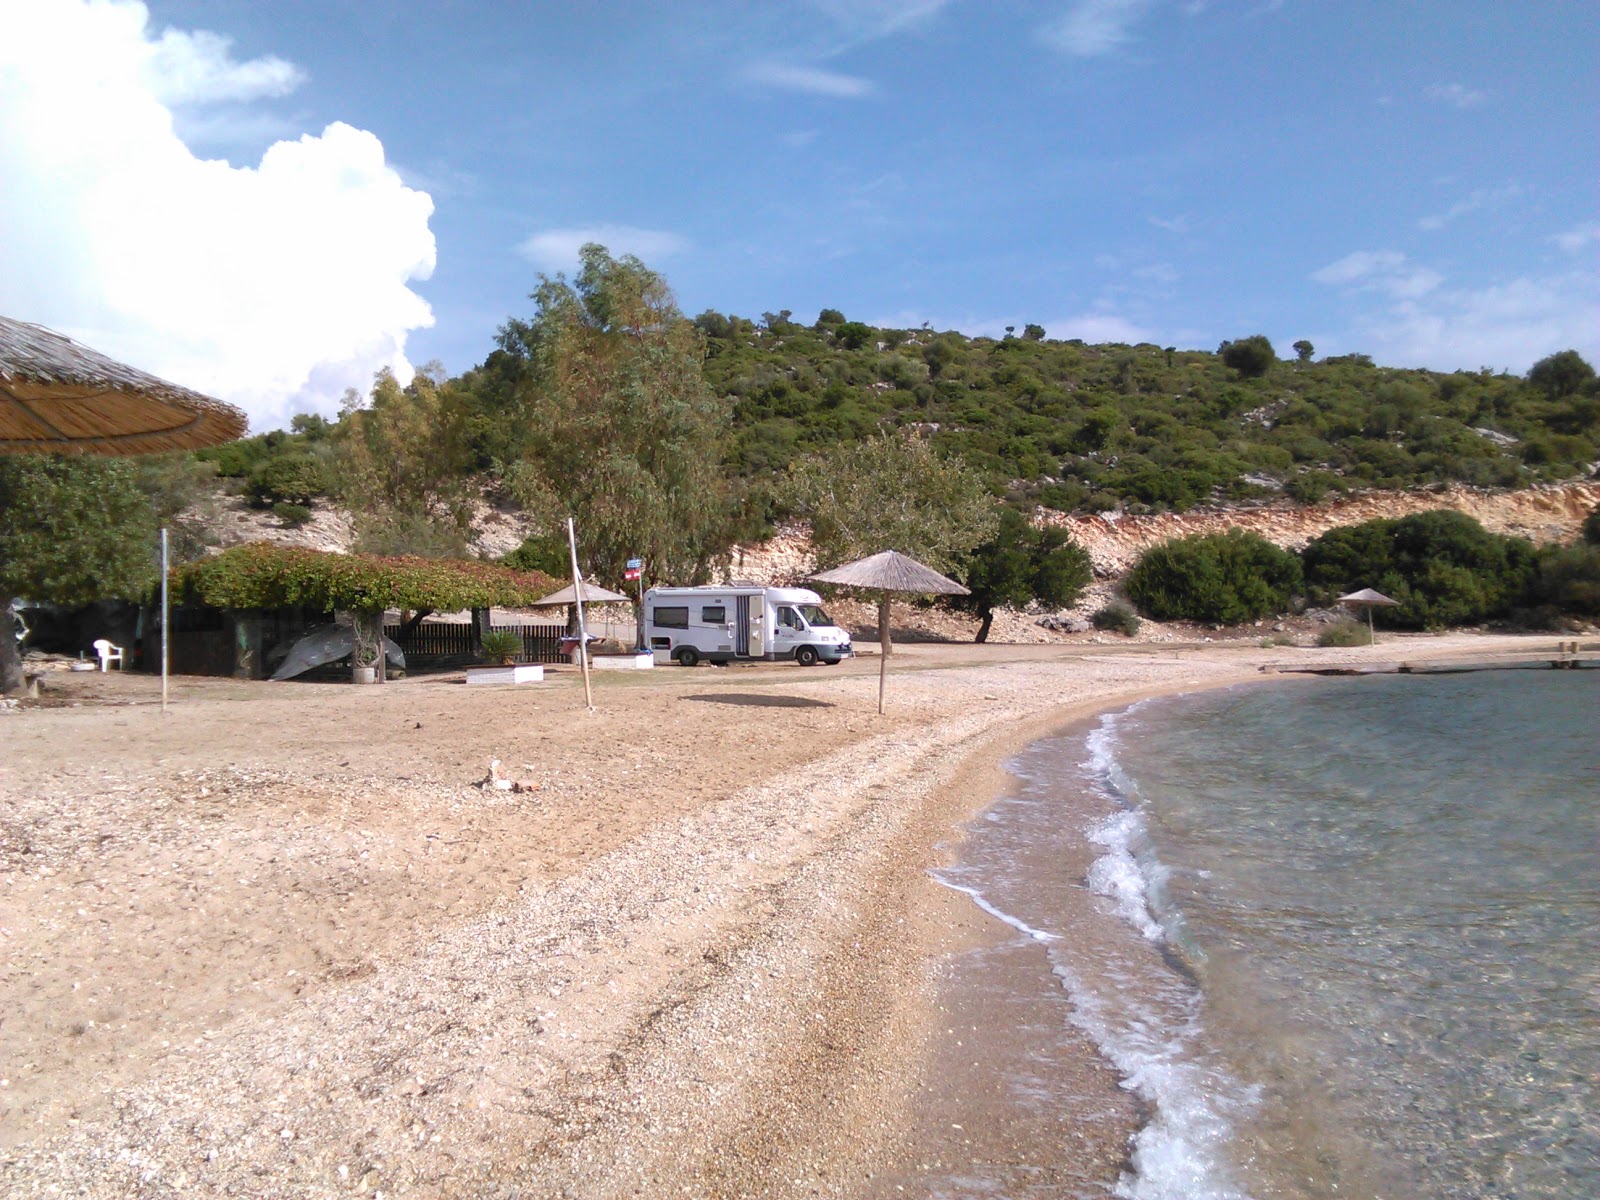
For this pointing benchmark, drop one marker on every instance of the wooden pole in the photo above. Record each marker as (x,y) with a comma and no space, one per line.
(1372,632)
(165,624)
(885,645)
(577,596)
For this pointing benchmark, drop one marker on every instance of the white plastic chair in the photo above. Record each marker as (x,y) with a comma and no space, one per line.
(108,654)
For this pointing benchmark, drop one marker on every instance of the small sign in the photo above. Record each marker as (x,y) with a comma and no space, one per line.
(631,573)
(634,568)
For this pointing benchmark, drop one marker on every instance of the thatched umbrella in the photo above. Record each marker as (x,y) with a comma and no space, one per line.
(569,596)
(57,397)
(886,574)
(1368,599)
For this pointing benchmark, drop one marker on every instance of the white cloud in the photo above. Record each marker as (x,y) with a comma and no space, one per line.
(869,20)
(557,249)
(812,80)
(1481,198)
(1507,325)
(1171,225)
(1093,27)
(1576,238)
(1386,271)
(1458,94)
(274,286)
(1406,314)
(1098,327)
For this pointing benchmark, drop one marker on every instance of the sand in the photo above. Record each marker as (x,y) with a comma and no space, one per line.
(278,942)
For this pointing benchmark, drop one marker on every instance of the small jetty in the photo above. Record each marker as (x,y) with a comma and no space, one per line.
(1567,656)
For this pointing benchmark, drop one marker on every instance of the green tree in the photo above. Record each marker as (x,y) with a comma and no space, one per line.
(402,466)
(623,433)
(1021,564)
(75,531)
(1591,526)
(1227,578)
(891,493)
(1303,350)
(853,335)
(1562,374)
(1034,333)
(1251,356)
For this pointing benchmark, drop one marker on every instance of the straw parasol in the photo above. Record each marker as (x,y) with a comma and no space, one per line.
(592,593)
(57,397)
(1368,599)
(886,574)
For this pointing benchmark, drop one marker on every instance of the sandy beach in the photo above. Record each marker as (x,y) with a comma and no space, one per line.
(279,942)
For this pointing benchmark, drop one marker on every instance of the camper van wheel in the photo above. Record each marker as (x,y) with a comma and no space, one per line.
(806,656)
(687,656)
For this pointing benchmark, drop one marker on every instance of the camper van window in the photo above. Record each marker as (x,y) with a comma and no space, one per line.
(788,617)
(714,616)
(814,615)
(670,618)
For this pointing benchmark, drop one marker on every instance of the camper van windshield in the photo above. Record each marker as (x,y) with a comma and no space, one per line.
(814,615)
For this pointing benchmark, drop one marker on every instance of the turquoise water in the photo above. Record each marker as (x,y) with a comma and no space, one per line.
(1357,947)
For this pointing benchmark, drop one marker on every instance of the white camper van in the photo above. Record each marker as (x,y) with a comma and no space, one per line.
(721,624)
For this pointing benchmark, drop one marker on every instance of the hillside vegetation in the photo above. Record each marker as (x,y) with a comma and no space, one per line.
(1077,427)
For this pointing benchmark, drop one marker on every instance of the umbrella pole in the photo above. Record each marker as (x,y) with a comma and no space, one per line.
(577,596)
(884,646)
(164,622)
(1372,633)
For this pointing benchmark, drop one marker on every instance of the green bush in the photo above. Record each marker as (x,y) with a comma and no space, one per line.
(1567,581)
(1117,617)
(1443,567)
(500,646)
(1346,632)
(1591,527)
(1225,578)
(292,479)
(292,515)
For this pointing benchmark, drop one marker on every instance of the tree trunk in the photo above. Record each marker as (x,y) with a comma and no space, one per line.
(12,682)
(983,630)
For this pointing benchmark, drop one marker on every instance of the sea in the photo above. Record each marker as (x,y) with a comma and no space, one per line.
(1338,937)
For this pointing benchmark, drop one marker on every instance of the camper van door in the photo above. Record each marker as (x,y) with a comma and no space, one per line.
(756,626)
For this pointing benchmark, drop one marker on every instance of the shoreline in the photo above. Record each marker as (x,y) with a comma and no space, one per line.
(705,958)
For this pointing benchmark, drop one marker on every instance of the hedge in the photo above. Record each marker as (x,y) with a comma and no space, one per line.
(266,576)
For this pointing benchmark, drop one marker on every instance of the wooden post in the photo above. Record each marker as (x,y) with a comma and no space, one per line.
(165,624)
(885,646)
(577,596)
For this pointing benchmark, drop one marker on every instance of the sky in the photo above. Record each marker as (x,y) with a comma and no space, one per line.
(271,200)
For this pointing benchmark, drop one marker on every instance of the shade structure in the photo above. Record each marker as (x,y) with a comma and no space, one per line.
(887,573)
(1369,599)
(57,397)
(592,593)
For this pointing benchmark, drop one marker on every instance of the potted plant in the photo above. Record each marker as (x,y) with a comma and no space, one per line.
(500,646)
(364,654)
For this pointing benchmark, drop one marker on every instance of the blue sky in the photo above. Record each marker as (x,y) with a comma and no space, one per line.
(1413,181)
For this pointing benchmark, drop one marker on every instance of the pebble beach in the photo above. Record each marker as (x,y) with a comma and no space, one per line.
(281,942)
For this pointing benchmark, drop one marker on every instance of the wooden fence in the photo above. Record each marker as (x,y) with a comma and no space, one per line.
(443,646)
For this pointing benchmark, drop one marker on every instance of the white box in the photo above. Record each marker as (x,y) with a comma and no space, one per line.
(526,673)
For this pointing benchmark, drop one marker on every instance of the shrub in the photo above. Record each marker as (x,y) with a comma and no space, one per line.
(1443,567)
(1345,632)
(1117,617)
(1567,581)
(292,479)
(1224,578)
(500,646)
(292,515)
(1591,527)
